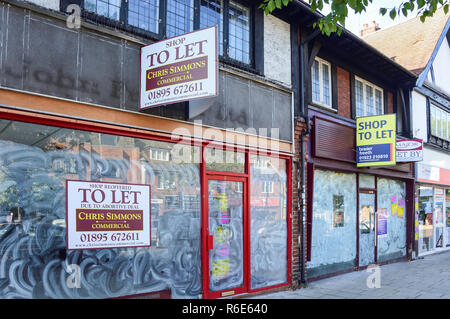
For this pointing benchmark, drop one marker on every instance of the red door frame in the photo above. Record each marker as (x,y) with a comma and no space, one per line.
(205,175)
(206,240)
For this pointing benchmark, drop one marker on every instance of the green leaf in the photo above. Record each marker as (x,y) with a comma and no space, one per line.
(271,5)
(446,8)
(393,13)
(383,11)
(278,4)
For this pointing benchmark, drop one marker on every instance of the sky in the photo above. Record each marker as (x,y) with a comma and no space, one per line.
(354,22)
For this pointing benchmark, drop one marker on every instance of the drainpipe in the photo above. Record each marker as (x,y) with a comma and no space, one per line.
(301,184)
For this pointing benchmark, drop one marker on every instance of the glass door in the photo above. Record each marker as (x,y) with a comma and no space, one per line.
(439,199)
(447,213)
(367,229)
(226,236)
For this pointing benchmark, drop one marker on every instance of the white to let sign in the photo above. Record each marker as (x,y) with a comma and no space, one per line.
(179,69)
(103,215)
(409,150)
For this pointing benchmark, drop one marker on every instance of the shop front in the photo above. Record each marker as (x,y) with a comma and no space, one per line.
(432,231)
(219,213)
(357,217)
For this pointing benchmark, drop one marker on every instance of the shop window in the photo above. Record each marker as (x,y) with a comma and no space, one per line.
(268,223)
(224,161)
(369,98)
(391,197)
(366,181)
(36,162)
(321,82)
(333,248)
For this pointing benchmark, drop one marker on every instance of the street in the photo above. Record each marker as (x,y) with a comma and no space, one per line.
(427,278)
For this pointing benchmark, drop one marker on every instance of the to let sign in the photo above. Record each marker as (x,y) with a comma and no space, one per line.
(375,140)
(409,150)
(107,215)
(179,69)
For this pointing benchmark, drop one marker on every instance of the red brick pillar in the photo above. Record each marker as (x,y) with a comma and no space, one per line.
(300,127)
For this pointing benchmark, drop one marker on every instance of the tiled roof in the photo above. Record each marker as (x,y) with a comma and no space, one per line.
(412,42)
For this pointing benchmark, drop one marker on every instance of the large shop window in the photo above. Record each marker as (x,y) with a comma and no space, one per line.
(36,160)
(268,221)
(391,196)
(169,18)
(333,246)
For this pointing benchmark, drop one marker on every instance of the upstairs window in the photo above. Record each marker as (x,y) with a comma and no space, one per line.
(369,98)
(439,123)
(169,18)
(321,82)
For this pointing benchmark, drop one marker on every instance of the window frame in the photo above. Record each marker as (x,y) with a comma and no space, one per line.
(123,24)
(374,88)
(444,113)
(321,91)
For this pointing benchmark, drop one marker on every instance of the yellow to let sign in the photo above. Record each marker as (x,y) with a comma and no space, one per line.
(376,140)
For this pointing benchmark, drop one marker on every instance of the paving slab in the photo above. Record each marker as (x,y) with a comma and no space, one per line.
(425,278)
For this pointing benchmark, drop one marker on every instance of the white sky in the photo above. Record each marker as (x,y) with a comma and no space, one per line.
(354,22)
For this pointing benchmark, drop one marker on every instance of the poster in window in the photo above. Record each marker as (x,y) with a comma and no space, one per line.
(338,211)
(394,205)
(401,207)
(107,215)
(383,216)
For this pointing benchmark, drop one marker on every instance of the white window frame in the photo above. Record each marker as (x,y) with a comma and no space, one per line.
(321,90)
(159,154)
(267,187)
(375,88)
(444,116)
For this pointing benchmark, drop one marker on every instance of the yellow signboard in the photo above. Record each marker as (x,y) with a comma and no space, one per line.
(375,140)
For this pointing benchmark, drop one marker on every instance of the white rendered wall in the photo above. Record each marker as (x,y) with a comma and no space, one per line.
(277,50)
(419,123)
(441,67)
(435,158)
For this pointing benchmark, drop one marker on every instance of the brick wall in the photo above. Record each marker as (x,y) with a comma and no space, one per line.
(300,126)
(390,103)
(343,92)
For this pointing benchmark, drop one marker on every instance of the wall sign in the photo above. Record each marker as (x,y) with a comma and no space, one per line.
(179,69)
(409,150)
(107,215)
(375,140)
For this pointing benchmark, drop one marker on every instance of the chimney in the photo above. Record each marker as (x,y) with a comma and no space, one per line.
(369,28)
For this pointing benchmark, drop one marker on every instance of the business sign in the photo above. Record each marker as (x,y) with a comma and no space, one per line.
(107,215)
(409,150)
(179,69)
(375,140)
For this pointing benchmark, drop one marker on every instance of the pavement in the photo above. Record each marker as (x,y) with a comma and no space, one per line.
(427,278)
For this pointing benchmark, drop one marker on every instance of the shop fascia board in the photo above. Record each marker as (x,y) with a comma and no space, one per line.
(20,101)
